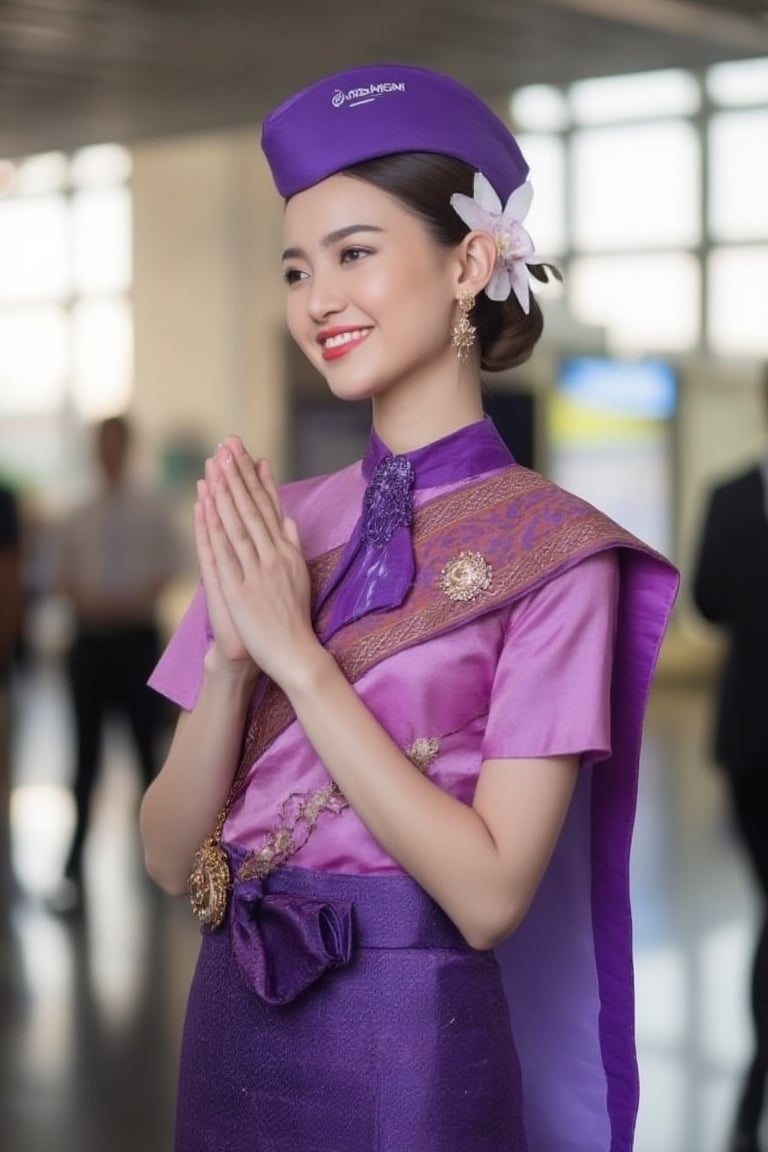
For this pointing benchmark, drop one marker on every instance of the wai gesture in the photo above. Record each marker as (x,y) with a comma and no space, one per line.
(256,581)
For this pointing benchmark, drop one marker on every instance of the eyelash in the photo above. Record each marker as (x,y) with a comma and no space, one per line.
(356,251)
(293,276)
(350,255)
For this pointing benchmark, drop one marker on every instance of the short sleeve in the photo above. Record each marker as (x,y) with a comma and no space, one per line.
(179,671)
(551,693)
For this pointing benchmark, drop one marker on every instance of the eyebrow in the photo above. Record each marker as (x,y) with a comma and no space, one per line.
(333,238)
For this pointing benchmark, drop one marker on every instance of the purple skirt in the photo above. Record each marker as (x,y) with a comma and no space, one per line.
(335,1013)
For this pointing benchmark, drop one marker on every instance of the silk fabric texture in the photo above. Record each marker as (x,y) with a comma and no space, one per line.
(375,1055)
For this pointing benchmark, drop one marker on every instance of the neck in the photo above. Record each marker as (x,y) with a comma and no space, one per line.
(410,421)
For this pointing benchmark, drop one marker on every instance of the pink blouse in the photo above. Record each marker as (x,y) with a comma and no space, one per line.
(530,680)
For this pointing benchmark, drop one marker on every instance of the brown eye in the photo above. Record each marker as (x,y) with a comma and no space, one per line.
(293,276)
(352,255)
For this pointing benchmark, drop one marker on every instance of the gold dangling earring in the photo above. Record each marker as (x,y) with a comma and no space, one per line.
(463,333)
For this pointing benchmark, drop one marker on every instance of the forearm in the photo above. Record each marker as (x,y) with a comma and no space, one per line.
(181,806)
(444,844)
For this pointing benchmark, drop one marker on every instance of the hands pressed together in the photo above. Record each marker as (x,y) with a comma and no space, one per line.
(255,577)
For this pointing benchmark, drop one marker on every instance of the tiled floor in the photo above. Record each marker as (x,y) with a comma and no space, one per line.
(91,1008)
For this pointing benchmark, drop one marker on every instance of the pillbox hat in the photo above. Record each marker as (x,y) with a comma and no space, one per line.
(379,110)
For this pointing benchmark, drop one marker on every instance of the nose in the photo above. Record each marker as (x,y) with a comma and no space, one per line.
(325,295)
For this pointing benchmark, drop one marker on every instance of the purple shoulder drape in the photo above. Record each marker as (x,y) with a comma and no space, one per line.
(568,968)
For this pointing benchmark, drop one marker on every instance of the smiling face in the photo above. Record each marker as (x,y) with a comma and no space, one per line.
(370,296)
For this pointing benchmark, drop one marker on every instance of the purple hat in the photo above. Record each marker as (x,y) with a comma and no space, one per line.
(379,110)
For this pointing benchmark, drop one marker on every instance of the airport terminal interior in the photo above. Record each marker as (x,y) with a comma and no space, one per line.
(139,274)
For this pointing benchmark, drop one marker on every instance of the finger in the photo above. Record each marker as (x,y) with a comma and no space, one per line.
(290,528)
(203,546)
(250,472)
(230,544)
(246,508)
(213,476)
(202,542)
(266,475)
(208,572)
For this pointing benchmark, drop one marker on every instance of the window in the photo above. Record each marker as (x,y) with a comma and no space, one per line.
(539,108)
(546,220)
(659,253)
(634,97)
(738,175)
(35,258)
(636,185)
(739,82)
(646,302)
(65,269)
(34,347)
(737,317)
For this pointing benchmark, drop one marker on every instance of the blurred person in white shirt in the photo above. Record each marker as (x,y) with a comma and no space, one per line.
(116,554)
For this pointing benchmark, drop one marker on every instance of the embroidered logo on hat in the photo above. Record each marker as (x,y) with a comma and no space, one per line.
(367,95)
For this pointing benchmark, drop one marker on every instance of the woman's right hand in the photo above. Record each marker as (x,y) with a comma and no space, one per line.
(225,635)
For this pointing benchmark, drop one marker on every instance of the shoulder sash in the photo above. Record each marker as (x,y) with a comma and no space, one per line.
(526,529)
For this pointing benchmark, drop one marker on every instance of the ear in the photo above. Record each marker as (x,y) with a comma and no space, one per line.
(477,260)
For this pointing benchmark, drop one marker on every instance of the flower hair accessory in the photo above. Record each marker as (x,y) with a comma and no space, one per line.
(514,247)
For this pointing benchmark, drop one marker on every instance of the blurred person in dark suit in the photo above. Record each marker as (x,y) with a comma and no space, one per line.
(116,553)
(10,629)
(731,590)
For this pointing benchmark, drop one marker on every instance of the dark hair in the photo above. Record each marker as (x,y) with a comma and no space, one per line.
(424,183)
(120,425)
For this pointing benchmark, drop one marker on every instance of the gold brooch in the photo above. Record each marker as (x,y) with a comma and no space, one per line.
(466,577)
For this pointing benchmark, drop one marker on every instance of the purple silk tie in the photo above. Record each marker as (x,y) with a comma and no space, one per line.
(377,567)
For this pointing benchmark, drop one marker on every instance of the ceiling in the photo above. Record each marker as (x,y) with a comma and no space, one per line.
(74,72)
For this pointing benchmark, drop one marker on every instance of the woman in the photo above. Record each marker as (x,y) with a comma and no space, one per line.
(412,693)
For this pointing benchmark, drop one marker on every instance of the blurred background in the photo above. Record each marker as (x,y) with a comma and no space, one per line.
(139,274)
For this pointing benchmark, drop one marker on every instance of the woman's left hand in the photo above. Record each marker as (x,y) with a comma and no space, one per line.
(263,577)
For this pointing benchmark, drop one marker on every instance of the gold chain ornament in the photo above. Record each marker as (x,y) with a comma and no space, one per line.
(211,878)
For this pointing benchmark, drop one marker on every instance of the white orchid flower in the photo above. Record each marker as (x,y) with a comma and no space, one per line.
(514,247)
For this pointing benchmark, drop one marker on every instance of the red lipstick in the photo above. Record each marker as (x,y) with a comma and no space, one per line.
(354,337)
